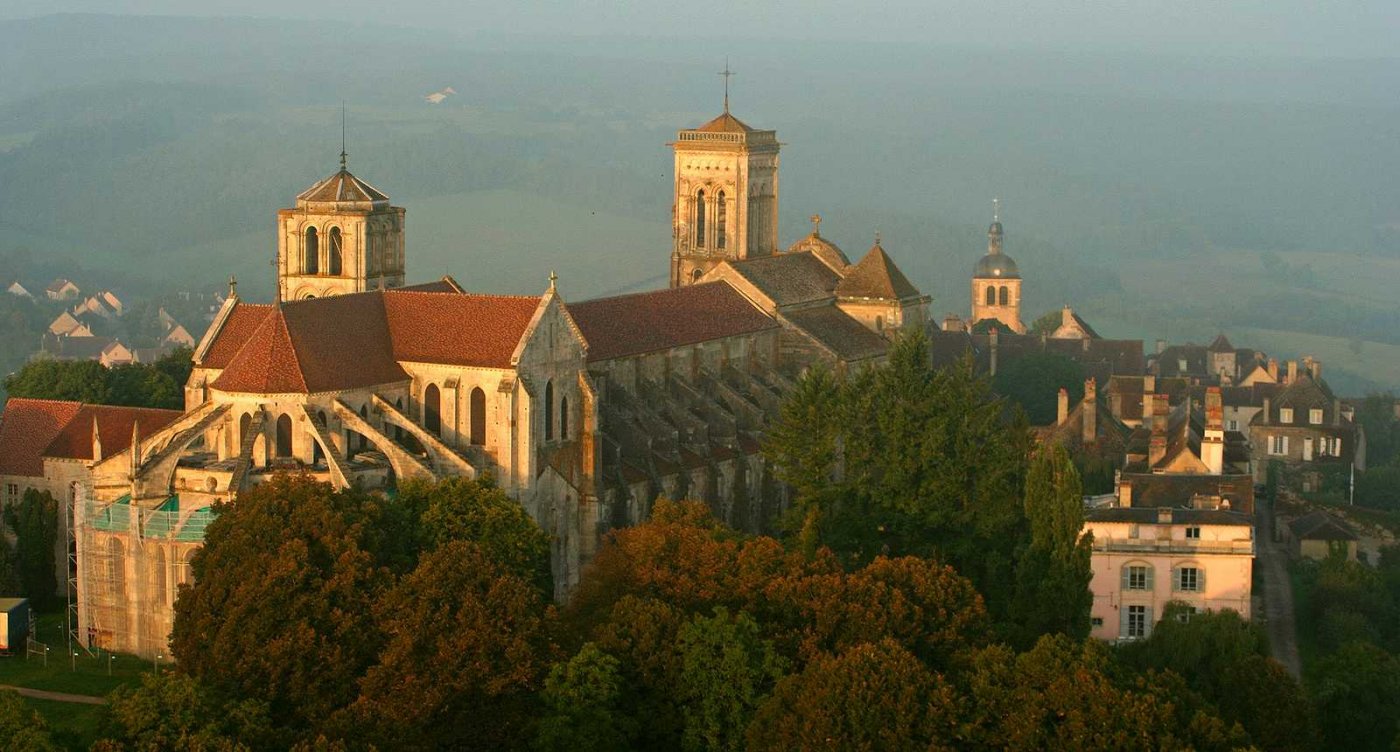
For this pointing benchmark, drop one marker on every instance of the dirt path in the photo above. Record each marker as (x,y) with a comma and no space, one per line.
(1278,594)
(43,694)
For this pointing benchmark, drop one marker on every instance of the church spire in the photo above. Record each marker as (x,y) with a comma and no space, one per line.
(343,154)
(994,233)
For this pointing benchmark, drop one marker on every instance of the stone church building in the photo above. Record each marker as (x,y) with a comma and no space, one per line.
(583,411)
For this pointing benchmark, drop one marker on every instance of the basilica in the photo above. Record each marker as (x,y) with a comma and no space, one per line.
(584,411)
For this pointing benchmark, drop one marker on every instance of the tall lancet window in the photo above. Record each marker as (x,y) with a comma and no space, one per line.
(549,411)
(700,218)
(1004,297)
(720,213)
(333,265)
(311,252)
(991,295)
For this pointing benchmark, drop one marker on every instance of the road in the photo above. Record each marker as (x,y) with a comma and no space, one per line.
(41,694)
(1272,560)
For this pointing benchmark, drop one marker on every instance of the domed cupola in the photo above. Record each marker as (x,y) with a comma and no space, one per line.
(996,282)
(996,265)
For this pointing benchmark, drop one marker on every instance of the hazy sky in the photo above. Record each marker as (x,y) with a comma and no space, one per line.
(1282,28)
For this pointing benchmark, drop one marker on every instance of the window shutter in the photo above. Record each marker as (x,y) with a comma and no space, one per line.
(1285,445)
(1147,623)
(1337,446)
(1127,577)
(1150,577)
(1176,579)
(1122,622)
(1200,579)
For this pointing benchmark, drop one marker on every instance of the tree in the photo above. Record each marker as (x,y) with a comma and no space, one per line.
(280,608)
(583,697)
(171,710)
(22,729)
(1062,694)
(1357,694)
(141,385)
(1034,382)
(35,524)
(1054,571)
(802,445)
(477,510)
(726,671)
(871,696)
(464,639)
(45,378)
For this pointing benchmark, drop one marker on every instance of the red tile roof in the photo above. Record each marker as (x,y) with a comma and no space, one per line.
(26,427)
(464,330)
(660,320)
(358,340)
(114,424)
(876,276)
(243,320)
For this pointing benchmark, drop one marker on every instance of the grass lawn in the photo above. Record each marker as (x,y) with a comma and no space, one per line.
(71,725)
(91,675)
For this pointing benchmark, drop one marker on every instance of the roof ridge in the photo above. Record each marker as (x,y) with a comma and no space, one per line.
(662,291)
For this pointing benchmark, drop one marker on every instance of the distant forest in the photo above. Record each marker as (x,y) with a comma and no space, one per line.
(1161,197)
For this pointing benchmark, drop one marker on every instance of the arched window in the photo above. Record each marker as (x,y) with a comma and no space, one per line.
(700,218)
(186,572)
(991,295)
(244,423)
(432,409)
(720,218)
(879,323)
(284,436)
(1004,297)
(478,408)
(548,410)
(159,577)
(333,265)
(564,418)
(311,253)
(696,275)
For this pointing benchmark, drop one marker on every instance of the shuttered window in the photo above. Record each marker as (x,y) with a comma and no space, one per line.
(1137,577)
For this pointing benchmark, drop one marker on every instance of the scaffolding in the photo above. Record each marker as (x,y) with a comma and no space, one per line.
(126,561)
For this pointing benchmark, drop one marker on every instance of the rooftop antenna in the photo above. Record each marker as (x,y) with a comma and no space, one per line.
(342,134)
(726,73)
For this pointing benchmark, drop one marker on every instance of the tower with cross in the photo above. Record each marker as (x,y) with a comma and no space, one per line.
(725,204)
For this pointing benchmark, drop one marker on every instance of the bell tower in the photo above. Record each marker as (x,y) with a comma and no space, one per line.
(342,237)
(996,282)
(725,205)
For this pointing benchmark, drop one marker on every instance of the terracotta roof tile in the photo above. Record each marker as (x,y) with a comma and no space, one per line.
(466,329)
(342,186)
(114,424)
(243,320)
(876,276)
(651,321)
(26,427)
(790,278)
(847,338)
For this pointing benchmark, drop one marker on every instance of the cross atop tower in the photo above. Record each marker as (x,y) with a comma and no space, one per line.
(816,224)
(726,74)
(996,209)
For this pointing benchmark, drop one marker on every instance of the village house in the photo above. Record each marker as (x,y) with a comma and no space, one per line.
(1305,429)
(62,289)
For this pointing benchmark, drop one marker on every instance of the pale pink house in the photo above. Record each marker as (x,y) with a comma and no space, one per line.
(1144,558)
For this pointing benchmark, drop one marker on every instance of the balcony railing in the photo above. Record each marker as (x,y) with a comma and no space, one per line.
(1150,546)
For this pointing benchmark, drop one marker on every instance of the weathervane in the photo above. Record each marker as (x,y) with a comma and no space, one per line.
(342,134)
(726,73)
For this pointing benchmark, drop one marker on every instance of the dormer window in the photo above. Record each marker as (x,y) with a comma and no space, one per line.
(1285,415)
(1315,417)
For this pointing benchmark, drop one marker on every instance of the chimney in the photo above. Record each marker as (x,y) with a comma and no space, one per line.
(1089,416)
(1213,443)
(1164,515)
(1273,369)
(1292,372)
(992,346)
(1066,317)
(1316,370)
(1336,412)
(1147,399)
(1125,493)
(1157,446)
(1149,384)
(1161,346)
(1062,409)
(1268,414)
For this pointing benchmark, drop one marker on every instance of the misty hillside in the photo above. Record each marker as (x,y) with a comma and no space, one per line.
(1161,197)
